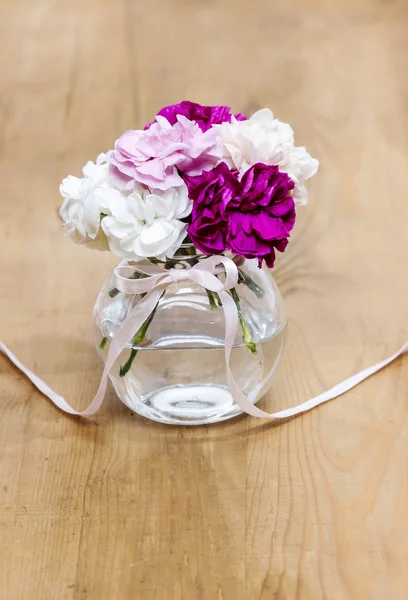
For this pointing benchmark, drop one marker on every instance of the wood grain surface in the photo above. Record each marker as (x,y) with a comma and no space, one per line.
(120,508)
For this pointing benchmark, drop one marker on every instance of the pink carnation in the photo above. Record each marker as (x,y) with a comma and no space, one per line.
(155,156)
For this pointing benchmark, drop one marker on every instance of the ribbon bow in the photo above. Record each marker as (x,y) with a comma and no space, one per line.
(156,281)
(204,273)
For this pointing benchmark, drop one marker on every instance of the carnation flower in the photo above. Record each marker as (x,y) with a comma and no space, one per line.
(251,217)
(267,140)
(211,193)
(204,116)
(261,218)
(153,157)
(147,223)
(85,200)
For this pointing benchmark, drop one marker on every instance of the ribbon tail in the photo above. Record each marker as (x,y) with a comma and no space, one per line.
(128,329)
(231,325)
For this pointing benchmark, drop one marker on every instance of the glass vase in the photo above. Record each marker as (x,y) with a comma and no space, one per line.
(173,370)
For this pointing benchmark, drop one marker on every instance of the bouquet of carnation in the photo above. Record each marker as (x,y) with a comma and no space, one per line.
(198,180)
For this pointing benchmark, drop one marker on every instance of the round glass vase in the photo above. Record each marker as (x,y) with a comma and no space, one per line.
(174,370)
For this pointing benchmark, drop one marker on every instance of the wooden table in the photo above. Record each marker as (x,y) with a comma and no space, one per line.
(121,508)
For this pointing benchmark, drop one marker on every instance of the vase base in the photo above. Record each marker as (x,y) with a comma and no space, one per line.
(188,405)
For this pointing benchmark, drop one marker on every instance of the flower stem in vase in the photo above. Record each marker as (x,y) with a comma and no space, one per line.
(211,299)
(217,298)
(137,340)
(126,367)
(246,334)
(250,283)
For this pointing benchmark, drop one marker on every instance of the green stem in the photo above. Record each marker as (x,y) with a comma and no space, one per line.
(217,299)
(137,340)
(126,367)
(250,283)
(103,342)
(190,251)
(246,334)
(211,299)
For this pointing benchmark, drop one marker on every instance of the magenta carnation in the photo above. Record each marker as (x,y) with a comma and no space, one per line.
(261,219)
(251,217)
(204,116)
(211,193)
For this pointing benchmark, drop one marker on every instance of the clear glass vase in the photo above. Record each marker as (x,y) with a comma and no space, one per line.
(174,370)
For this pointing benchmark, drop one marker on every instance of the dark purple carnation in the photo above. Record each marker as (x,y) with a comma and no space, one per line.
(211,192)
(251,217)
(261,219)
(204,116)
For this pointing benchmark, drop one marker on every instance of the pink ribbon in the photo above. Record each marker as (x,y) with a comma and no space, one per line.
(157,280)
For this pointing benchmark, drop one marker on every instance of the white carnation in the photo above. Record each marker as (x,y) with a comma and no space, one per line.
(262,138)
(147,223)
(85,200)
